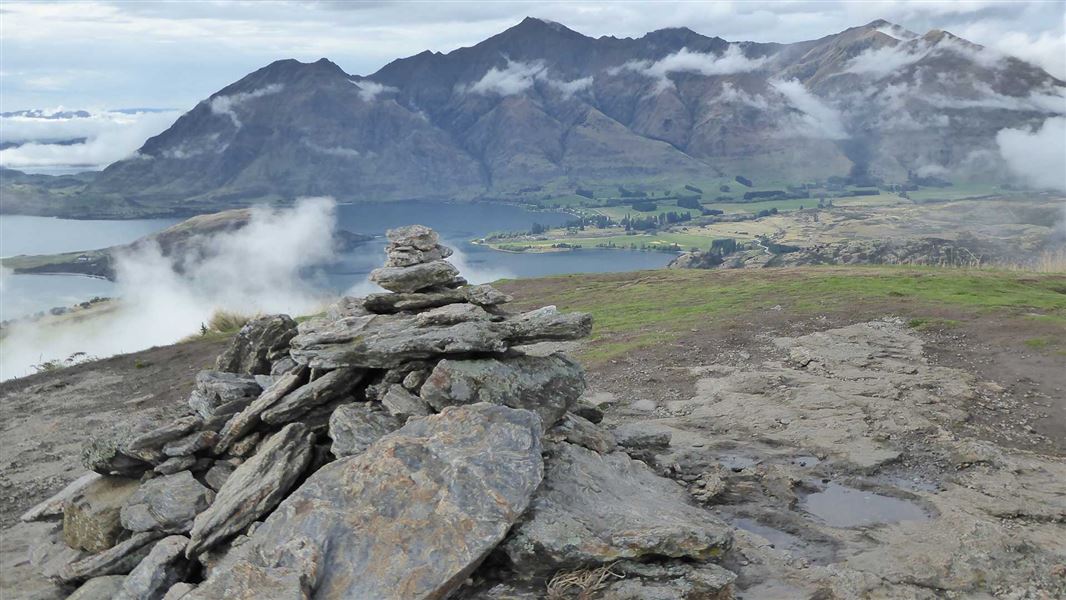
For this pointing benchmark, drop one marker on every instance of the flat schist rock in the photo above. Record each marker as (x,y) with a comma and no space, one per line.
(444,488)
(244,422)
(219,394)
(483,295)
(355,427)
(254,488)
(168,504)
(388,341)
(257,345)
(546,385)
(415,277)
(164,566)
(334,385)
(415,236)
(119,559)
(595,509)
(54,505)
(99,588)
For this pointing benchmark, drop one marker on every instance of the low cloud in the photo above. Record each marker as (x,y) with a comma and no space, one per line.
(1037,156)
(108,136)
(515,78)
(268,266)
(887,60)
(731,94)
(369,90)
(816,119)
(518,76)
(729,62)
(227,105)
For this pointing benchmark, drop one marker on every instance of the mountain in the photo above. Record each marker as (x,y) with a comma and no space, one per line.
(542,107)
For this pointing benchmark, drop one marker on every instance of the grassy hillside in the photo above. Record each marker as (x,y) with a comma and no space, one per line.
(635,310)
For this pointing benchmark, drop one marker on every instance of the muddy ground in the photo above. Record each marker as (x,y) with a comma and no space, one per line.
(858,456)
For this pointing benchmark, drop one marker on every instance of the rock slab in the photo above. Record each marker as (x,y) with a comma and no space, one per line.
(444,488)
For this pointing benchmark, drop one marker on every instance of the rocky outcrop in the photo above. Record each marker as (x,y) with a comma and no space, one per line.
(258,345)
(399,442)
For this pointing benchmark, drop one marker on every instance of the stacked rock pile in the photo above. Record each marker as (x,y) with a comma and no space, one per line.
(384,449)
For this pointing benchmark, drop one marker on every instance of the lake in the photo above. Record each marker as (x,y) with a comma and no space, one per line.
(457,224)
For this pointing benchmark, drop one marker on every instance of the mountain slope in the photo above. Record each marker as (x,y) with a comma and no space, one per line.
(542,106)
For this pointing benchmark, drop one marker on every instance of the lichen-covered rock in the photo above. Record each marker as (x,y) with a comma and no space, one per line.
(168,504)
(174,464)
(257,345)
(164,566)
(546,385)
(99,588)
(254,488)
(668,581)
(547,323)
(354,427)
(91,515)
(418,237)
(333,386)
(595,509)
(106,454)
(444,488)
(119,559)
(289,571)
(218,395)
(415,277)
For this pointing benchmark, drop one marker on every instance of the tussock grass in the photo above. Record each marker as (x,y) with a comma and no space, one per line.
(580,584)
(224,321)
(635,310)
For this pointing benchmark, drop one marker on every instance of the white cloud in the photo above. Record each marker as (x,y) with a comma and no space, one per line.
(368,90)
(109,136)
(261,267)
(515,78)
(569,88)
(227,105)
(816,119)
(1037,155)
(887,59)
(340,151)
(1044,48)
(519,76)
(729,62)
(1048,99)
(730,93)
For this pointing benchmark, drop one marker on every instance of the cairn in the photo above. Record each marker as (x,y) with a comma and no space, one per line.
(381,450)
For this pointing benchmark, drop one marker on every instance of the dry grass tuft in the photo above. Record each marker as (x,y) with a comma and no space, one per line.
(224,321)
(580,584)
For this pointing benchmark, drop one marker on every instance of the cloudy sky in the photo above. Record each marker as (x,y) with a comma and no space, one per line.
(171,54)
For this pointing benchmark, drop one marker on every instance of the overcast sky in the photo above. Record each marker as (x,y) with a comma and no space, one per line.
(171,54)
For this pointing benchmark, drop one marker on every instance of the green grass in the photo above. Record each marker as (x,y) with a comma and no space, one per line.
(924,324)
(1038,343)
(636,310)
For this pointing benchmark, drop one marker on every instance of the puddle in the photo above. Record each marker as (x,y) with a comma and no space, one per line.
(814,551)
(805,461)
(841,506)
(736,463)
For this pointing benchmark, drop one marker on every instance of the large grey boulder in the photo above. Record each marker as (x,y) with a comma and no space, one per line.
(99,588)
(595,509)
(248,419)
(445,489)
(354,427)
(546,385)
(218,395)
(119,559)
(91,515)
(547,324)
(415,277)
(332,386)
(168,504)
(254,488)
(164,566)
(416,236)
(257,345)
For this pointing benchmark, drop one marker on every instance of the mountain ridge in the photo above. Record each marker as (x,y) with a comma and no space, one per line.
(541,105)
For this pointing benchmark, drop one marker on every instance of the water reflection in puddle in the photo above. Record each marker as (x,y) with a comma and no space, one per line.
(841,506)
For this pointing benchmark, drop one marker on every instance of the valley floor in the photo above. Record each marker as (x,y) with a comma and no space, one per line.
(871,432)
